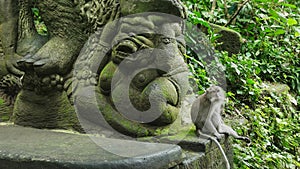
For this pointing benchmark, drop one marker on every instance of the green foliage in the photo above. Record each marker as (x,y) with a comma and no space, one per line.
(38,22)
(1,101)
(273,128)
(242,73)
(200,76)
(4,116)
(273,35)
(269,57)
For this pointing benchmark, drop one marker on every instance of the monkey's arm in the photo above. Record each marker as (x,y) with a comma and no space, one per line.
(195,110)
(209,126)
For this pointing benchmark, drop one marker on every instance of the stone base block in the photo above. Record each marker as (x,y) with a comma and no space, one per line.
(29,148)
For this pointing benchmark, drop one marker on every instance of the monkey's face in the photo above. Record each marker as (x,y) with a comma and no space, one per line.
(215,93)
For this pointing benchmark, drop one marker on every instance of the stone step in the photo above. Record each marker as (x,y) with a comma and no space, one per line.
(29,148)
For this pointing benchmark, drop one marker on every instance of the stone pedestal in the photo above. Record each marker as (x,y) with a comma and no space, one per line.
(29,148)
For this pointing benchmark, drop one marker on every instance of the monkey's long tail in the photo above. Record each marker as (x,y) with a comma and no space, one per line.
(222,151)
(206,136)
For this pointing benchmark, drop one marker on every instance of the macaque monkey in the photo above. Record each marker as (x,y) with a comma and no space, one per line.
(206,115)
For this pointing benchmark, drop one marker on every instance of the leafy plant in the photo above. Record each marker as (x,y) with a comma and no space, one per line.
(273,128)
(269,55)
(38,22)
(273,36)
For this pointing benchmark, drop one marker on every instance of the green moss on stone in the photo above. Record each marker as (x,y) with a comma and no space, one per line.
(230,40)
(3,70)
(5,112)
(140,6)
(51,111)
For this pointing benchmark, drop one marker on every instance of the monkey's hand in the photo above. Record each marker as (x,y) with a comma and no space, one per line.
(210,129)
(218,135)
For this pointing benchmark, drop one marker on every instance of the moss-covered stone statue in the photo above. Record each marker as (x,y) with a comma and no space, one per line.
(134,64)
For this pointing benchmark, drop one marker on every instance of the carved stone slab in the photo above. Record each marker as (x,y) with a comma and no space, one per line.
(29,148)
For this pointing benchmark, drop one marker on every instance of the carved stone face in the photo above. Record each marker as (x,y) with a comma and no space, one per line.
(145,64)
(145,76)
(142,76)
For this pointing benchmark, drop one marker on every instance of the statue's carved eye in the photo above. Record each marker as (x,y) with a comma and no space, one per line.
(141,78)
(166,40)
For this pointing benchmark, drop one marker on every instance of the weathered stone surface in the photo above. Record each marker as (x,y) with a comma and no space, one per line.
(276,87)
(230,39)
(69,24)
(163,6)
(198,153)
(143,79)
(1,50)
(29,148)
(52,111)
(5,112)
(3,70)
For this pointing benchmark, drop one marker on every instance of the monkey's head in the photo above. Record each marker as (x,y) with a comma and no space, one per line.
(215,93)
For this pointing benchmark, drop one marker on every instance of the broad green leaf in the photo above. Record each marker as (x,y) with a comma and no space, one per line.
(279,32)
(291,22)
(290,5)
(257,70)
(35,11)
(230,94)
(250,81)
(273,13)
(297,32)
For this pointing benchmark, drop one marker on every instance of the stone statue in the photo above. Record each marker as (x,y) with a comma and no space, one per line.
(46,77)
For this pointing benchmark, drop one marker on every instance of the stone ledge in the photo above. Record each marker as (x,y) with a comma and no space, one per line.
(29,148)
(198,153)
